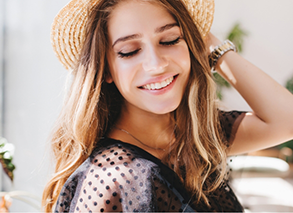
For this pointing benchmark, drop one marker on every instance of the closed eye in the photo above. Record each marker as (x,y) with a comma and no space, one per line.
(165,43)
(129,54)
(170,43)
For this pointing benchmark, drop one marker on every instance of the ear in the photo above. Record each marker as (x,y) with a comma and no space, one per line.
(108,78)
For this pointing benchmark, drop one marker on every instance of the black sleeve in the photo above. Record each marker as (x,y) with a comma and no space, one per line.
(229,122)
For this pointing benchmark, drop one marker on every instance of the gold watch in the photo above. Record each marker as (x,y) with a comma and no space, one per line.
(219,51)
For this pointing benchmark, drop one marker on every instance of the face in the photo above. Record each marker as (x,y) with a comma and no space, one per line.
(148,58)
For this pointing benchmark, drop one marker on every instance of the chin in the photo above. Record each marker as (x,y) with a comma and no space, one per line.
(161,110)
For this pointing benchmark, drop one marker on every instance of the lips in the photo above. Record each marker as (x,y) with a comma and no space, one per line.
(159,85)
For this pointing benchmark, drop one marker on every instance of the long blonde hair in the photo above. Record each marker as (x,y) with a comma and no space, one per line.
(92,106)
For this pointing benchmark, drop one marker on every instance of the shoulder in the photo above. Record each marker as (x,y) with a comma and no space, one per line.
(118,157)
(117,164)
(109,176)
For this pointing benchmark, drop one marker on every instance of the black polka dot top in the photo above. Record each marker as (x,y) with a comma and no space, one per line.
(120,177)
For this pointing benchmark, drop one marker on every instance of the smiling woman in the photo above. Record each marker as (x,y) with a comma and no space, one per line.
(141,130)
(148,51)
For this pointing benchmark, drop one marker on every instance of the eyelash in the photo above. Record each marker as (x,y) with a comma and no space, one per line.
(126,55)
(169,43)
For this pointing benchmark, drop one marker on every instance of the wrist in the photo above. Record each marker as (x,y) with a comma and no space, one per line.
(219,51)
(211,42)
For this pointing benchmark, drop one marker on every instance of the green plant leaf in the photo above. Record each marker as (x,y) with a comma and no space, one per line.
(289,84)
(236,35)
(221,82)
(6,158)
(219,94)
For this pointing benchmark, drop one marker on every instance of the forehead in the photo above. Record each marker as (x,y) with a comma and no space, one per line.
(137,16)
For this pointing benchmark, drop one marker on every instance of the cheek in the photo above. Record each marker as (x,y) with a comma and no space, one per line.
(182,58)
(123,75)
(185,59)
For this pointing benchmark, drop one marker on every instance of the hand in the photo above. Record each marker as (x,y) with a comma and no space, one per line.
(211,42)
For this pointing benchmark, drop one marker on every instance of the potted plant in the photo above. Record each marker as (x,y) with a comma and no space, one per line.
(6,156)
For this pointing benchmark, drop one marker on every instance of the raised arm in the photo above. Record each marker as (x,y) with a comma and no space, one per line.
(271,121)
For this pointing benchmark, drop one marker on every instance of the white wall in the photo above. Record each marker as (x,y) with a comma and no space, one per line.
(1,63)
(33,91)
(1,73)
(35,79)
(269,43)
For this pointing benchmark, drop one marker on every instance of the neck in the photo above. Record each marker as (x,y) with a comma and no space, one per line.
(155,131)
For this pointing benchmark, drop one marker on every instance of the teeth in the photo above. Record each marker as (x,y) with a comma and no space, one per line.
(164,83)
(159,85)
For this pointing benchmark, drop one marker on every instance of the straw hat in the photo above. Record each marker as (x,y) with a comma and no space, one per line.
(68,28)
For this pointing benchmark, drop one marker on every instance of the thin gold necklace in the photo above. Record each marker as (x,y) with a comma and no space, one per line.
(123,130)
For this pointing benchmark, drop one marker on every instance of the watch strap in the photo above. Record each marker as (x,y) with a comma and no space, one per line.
(219,51)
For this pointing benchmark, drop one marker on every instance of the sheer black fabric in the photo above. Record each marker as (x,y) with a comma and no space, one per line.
(120,177)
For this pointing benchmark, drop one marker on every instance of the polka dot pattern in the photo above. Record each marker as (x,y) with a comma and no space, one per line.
(229,122)
(119,177)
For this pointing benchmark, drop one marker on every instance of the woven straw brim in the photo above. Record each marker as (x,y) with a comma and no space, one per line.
(68,28)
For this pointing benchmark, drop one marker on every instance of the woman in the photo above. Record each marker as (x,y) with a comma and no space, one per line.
(140,129)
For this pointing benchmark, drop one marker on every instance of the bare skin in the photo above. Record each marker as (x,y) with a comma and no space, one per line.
(146,114)
(270,123)
(154,130)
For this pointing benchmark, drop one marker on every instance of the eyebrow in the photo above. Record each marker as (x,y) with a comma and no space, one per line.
(157,30)
(166,27)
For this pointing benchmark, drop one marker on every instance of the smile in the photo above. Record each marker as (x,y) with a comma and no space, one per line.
(159,85)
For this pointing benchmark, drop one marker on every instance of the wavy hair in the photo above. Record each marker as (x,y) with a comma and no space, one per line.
(92,106)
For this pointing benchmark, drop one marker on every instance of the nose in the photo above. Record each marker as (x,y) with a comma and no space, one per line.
(154,60)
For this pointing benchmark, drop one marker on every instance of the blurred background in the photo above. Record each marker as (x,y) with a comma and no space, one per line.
(32,85)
